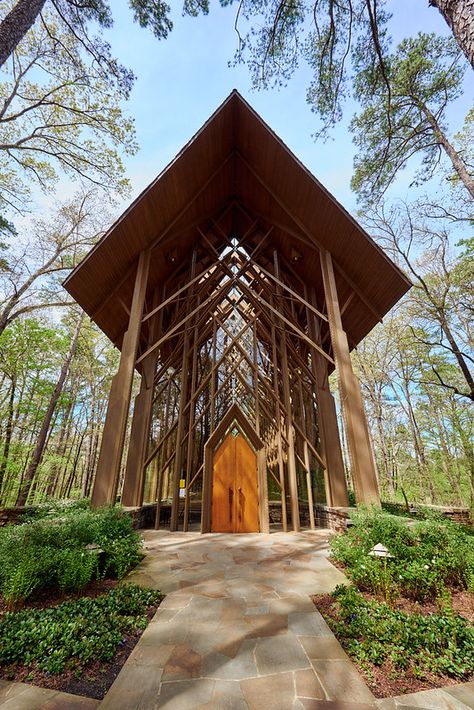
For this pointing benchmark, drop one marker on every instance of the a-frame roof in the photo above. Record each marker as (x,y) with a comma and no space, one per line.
(236,166)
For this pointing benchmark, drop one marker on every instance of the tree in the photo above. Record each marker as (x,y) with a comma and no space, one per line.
(29,280)
(276,36)
(75,16)
(459,15)
(58,112)
(29,351)
(38,450)
(407,115)
(443,292)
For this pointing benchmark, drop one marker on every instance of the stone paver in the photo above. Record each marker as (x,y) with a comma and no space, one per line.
(452,697)
(237,631)
(20,696)
(237,628)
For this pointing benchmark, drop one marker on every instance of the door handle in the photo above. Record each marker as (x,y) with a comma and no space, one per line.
(241,503)
(231,500)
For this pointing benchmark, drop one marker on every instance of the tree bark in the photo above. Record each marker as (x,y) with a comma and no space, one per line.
(459,14)
(43,433)
(52,482)
(16,24)
(457,162)
(8,432)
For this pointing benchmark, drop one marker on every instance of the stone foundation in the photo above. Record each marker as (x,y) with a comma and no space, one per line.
(325,516)
(336,519)
(458,515)
(143,516)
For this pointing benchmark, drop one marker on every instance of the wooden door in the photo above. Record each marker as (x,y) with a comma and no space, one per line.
(235,487)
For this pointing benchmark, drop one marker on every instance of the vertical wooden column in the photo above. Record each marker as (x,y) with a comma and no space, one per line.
(290,432)
(364,474)
(334,475)
(281,467)
(183,400)
(191,431)
(132,493)
(163,458)
(307,463)
(111,450)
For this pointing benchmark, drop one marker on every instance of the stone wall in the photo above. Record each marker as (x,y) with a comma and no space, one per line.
(459,515)
(143,516)
(336,519)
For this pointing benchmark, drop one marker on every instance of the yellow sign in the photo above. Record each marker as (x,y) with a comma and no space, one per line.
(182,483)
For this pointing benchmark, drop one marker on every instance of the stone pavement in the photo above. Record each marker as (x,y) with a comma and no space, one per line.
(237,629)
(452,697)
(20,696)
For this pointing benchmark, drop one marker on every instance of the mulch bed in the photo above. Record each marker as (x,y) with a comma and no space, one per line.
(386,681)
(93,680)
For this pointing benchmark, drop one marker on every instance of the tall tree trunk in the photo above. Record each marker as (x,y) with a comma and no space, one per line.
(447,461)
(16,24)
(457,354)
(8,432)
(41,440)
(420,456)
(457,162)
(459,14)
(60,450)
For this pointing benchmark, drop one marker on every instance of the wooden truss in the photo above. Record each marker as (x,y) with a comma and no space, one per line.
(235,324)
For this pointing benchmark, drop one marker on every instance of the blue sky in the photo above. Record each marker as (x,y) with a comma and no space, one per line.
(182,80)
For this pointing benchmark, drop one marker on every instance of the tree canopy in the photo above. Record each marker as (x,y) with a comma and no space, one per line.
(406,115)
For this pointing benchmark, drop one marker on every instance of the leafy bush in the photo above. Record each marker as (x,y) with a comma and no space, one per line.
(427,555)
(54,552)
(75,631)
(54,509)
(372,631)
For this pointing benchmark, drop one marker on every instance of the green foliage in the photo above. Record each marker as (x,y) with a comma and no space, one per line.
(54,509)
(373,632)
(405,116)
(52,552)
(62,114)
(74,632)
(427,556)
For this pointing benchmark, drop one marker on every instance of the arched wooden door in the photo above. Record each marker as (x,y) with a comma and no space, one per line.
(235,486)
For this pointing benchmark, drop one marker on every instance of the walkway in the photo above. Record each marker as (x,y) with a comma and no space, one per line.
(237,629)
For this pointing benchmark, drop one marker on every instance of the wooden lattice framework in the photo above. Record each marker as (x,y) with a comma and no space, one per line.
(235,280)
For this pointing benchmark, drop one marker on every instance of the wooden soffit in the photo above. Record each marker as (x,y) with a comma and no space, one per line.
(236,157)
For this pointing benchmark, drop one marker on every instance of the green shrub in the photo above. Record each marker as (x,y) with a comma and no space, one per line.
(54,509)
(426,555)
(75,631)
(372,631)
(53,552)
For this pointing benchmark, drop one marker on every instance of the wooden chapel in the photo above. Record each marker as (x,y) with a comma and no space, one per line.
(235,284)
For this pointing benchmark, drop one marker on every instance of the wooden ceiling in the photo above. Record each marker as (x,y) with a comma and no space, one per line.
(235,177)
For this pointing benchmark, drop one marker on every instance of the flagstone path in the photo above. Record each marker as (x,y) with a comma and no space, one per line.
(237,629)
(21,696)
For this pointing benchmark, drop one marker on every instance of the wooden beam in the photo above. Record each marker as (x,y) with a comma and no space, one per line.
(334,474)
(133,486)
(113,437)
(292,477)
(311,237)
(364,474)
(181,420)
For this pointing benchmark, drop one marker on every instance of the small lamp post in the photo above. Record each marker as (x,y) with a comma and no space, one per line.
(381,552)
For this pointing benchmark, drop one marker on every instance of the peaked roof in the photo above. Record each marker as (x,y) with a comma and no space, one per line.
(236,164)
